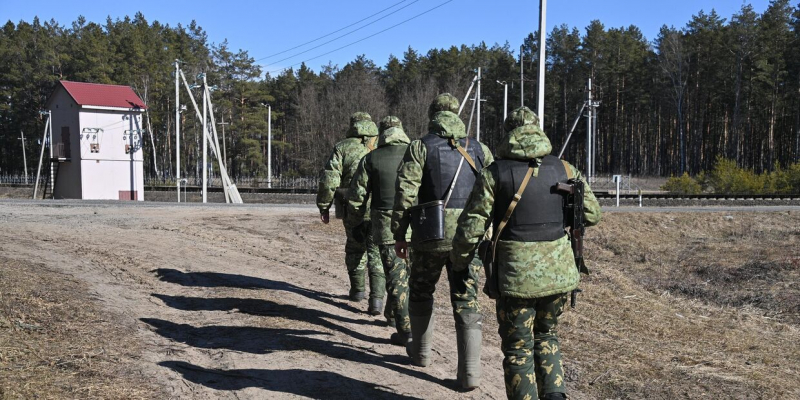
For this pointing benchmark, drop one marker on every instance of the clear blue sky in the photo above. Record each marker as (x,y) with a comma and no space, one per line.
(267,27)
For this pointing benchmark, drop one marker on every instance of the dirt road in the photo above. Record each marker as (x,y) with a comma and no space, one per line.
(249,302)
(240,303)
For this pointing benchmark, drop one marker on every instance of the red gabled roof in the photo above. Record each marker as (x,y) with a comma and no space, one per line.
(95,94)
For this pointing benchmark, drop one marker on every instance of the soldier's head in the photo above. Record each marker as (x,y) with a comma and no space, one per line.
(519,117)
(390,122)
(361,125)
(443,102)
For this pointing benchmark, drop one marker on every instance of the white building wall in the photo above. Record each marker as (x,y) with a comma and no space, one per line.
(64,113)
(111,170)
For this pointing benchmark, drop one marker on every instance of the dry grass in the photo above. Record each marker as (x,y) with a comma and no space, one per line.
(688,306)
(55,344)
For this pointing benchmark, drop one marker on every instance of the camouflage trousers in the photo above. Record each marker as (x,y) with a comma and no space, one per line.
(396,271)
(530,345)
(362,256)
(426,268)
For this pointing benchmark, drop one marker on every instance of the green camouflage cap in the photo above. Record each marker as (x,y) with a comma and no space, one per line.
(519,117)
(390,122)
(443,102)
(358,117)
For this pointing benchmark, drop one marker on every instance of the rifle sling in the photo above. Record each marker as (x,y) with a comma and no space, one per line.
(465,154)
(371,143)
(511,207)
(569,170)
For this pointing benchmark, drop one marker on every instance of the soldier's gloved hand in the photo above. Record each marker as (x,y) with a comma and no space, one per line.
(325,216)
(401,249)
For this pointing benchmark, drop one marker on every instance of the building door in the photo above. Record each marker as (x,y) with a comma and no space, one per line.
(65,140)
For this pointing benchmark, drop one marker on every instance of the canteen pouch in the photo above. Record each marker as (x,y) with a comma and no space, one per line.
(340,202)
(486,253)
(427,221)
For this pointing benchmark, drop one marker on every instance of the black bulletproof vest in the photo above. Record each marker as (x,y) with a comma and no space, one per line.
(441,164)
(539,216)
(385,161)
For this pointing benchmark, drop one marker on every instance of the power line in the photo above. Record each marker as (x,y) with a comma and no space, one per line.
(346,34)
(363,39)
(336,31)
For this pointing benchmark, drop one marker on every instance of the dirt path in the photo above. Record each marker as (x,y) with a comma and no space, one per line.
(237,302)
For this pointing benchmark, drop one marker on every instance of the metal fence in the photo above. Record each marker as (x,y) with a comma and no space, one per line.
(8,179)
(278,182)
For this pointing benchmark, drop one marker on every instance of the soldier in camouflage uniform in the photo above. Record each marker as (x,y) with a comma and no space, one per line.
(534,258)
(425,174)
(361,253)
(374,182)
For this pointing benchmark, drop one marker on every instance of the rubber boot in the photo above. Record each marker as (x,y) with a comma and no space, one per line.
(357,296)
(421,316)
(468,339)
(555,396)
(375,306)
(400,338)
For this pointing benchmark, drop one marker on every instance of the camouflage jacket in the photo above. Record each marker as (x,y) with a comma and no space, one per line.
(343,161)
(361,188)
(409,178)
(526,269)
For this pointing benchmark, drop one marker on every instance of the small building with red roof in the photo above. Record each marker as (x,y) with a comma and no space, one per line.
(97,141)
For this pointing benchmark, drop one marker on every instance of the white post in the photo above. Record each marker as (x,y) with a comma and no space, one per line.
(24,156)
(521,77)
(478,99)
(52,170)
(463,102)
(542,56)
(589,132)
(505,101)
(618,181)
(178,130)
(640,197)
(224,150)
(269,146)
(205,141)
(41,157)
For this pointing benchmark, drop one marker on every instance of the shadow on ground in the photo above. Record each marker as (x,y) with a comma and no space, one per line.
(313,384)
(217,279)
(270,308)
(257,340)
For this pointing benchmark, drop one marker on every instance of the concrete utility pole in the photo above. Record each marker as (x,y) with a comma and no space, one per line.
(478,99)
(177,129)
(224,151)
(505,99)
(521,77)
(542,57)
(269,146)
(24,157)
(47,133)
(589,130)
(205,140)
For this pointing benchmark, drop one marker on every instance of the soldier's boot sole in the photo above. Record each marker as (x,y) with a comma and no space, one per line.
(422,322)
(469,336)
(375,306)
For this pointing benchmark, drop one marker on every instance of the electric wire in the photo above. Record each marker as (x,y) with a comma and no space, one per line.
(363,39)
(336,31)
(346,34)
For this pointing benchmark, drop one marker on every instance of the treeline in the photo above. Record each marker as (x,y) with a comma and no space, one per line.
(715,87)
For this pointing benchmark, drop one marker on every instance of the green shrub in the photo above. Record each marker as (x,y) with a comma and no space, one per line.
(682,185)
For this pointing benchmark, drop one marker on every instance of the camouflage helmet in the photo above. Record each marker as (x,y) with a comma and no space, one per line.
(390,122)
(443,102)
(358,117)
(519,117)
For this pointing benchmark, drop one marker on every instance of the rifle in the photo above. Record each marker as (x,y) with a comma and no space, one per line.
(573,209)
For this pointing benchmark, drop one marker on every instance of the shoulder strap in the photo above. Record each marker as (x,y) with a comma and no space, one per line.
(464,154)
(511,207)
(371,143)
(569,170)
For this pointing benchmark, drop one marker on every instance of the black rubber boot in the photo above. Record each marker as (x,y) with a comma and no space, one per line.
(375,306)
(421,316)
(468,339)
(401,338)
(357,296)
(555,396)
